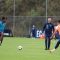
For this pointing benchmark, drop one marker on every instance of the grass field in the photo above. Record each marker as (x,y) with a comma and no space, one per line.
(33,49)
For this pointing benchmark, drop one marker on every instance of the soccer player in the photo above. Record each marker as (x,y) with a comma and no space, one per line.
(58,36)
(33,31)
(2,27)
(48,28)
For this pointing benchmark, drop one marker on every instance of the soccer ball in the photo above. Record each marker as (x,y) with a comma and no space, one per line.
(20,47)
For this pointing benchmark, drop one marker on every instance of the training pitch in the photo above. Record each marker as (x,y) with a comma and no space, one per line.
(33,49)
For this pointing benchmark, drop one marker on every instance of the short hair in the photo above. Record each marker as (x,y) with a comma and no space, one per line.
(3,18)
(58,21)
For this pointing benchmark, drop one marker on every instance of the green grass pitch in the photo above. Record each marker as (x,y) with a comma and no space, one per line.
(33,49)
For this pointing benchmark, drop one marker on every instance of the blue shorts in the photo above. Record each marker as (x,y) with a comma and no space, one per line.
(48,35)
(58,37)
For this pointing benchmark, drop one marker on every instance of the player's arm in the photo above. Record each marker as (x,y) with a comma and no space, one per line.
(54,33)
(44,28)
(53,28)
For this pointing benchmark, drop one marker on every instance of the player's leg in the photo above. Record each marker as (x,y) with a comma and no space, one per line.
(49,42)
(57,45)
(0,41)
(1,38)
(46,43)
(32,34)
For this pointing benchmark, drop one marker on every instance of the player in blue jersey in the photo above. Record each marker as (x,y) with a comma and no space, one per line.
(48,29)
(2,27)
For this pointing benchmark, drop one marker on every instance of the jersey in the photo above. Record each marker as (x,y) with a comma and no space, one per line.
(2,26)
(48,28)
(57,32)
(57,29)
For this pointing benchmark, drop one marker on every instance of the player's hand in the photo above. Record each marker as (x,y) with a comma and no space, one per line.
(51,37)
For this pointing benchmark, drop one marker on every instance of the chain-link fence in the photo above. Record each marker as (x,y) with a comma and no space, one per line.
(22,25)
(22,14)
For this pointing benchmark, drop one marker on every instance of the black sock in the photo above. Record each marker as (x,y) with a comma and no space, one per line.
(46,44)
(57,45)
(49,41)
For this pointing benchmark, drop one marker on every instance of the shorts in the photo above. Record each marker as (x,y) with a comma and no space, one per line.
(1,33)
(48,36)
(58,37)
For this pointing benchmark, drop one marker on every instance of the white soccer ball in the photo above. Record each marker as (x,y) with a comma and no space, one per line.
(20,47)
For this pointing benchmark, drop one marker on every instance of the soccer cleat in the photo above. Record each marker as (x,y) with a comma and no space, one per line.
(52,50)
